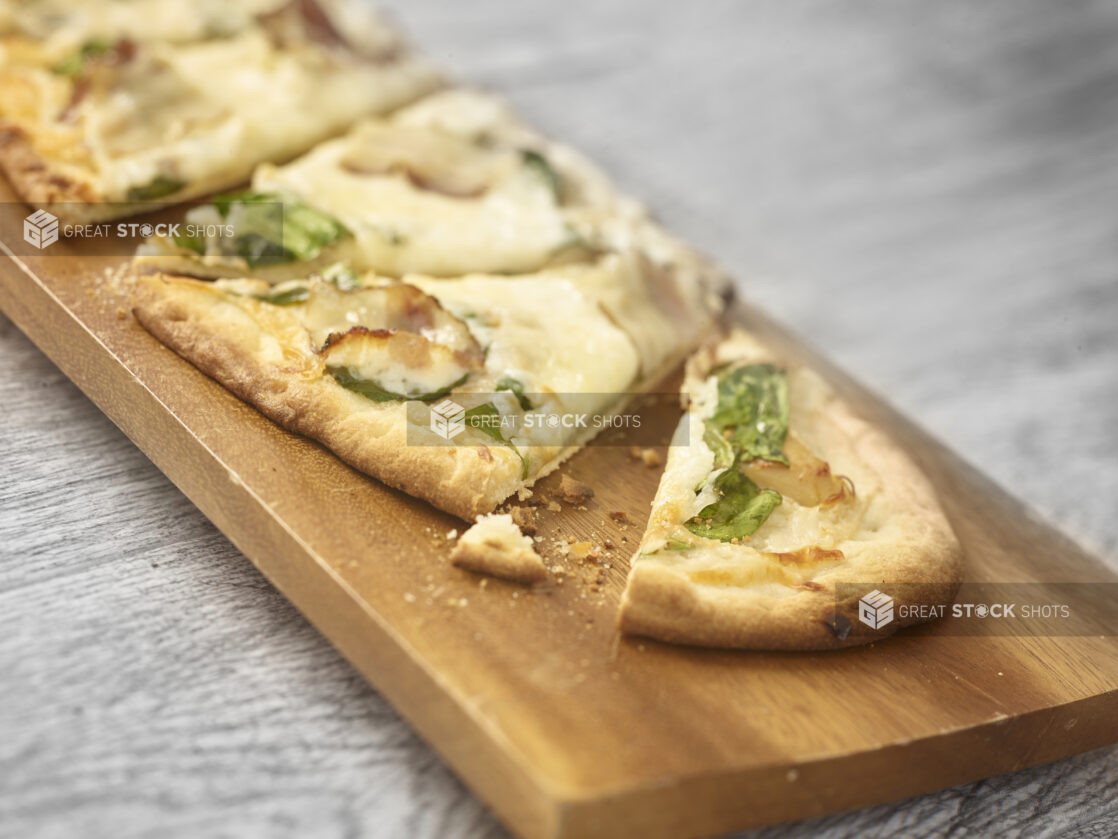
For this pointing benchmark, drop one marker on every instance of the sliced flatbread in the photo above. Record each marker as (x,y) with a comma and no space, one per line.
(360,364)
(108,107)
(774,494)
(451,185)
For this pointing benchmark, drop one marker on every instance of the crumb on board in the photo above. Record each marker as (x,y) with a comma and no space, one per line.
(553,507)
(582,551)
(649,457)
(524,518)
(496,546)
(523,494)
(452,534)
(620,516)
(574,492)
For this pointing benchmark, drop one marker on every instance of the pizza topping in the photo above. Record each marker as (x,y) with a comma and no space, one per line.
(762,461)
(396,306)
(811,555)
(750,420)
(390,342)
(741,508)
(271,229)
(300,20)
(387,365)
(805,478)
(160,187)
(516,388)
(539,165)
(438,162)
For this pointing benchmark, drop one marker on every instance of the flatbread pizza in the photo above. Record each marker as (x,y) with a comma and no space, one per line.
(774,497)
(108,107)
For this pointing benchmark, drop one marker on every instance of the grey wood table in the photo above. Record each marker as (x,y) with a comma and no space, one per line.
(927,191)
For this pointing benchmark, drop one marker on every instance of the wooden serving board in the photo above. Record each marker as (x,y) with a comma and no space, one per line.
(561,726)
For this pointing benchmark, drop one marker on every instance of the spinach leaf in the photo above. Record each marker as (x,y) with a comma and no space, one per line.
(516,387)
(161,187)
(192,243)
(752,413)
(295,294)
(341,275)
(486,419)
(541,166)
(271,229)
(372,390)
(493,429)
(741,509)
(73,64)
(750,421)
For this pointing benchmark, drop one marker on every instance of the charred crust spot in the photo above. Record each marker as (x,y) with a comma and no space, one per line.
(839,626)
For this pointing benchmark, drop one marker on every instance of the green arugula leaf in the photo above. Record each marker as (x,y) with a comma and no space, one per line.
(675,545)
(372,390)
(742,508)
(516,387)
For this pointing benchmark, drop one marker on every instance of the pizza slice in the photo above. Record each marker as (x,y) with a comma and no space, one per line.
(427,382)
(106,106)
(451,185)
(774,497)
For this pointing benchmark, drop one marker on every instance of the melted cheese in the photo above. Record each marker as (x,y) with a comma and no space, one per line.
(545,331)
(513,225)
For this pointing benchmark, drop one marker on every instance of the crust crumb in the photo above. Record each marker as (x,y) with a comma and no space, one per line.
(496,546)
(621,517)
(553,507)
(649,457)
(574,492)
(583,551)
(524,518)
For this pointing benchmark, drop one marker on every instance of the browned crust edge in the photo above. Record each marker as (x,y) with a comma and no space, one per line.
(33,178)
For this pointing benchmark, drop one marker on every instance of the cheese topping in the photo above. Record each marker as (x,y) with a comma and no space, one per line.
(419,200)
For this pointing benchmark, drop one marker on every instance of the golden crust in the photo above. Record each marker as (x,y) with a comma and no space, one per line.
(903,536)
(495,546)
(37,182)
(192,319)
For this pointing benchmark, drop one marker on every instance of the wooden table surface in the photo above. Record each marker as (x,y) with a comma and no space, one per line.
(927,191)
